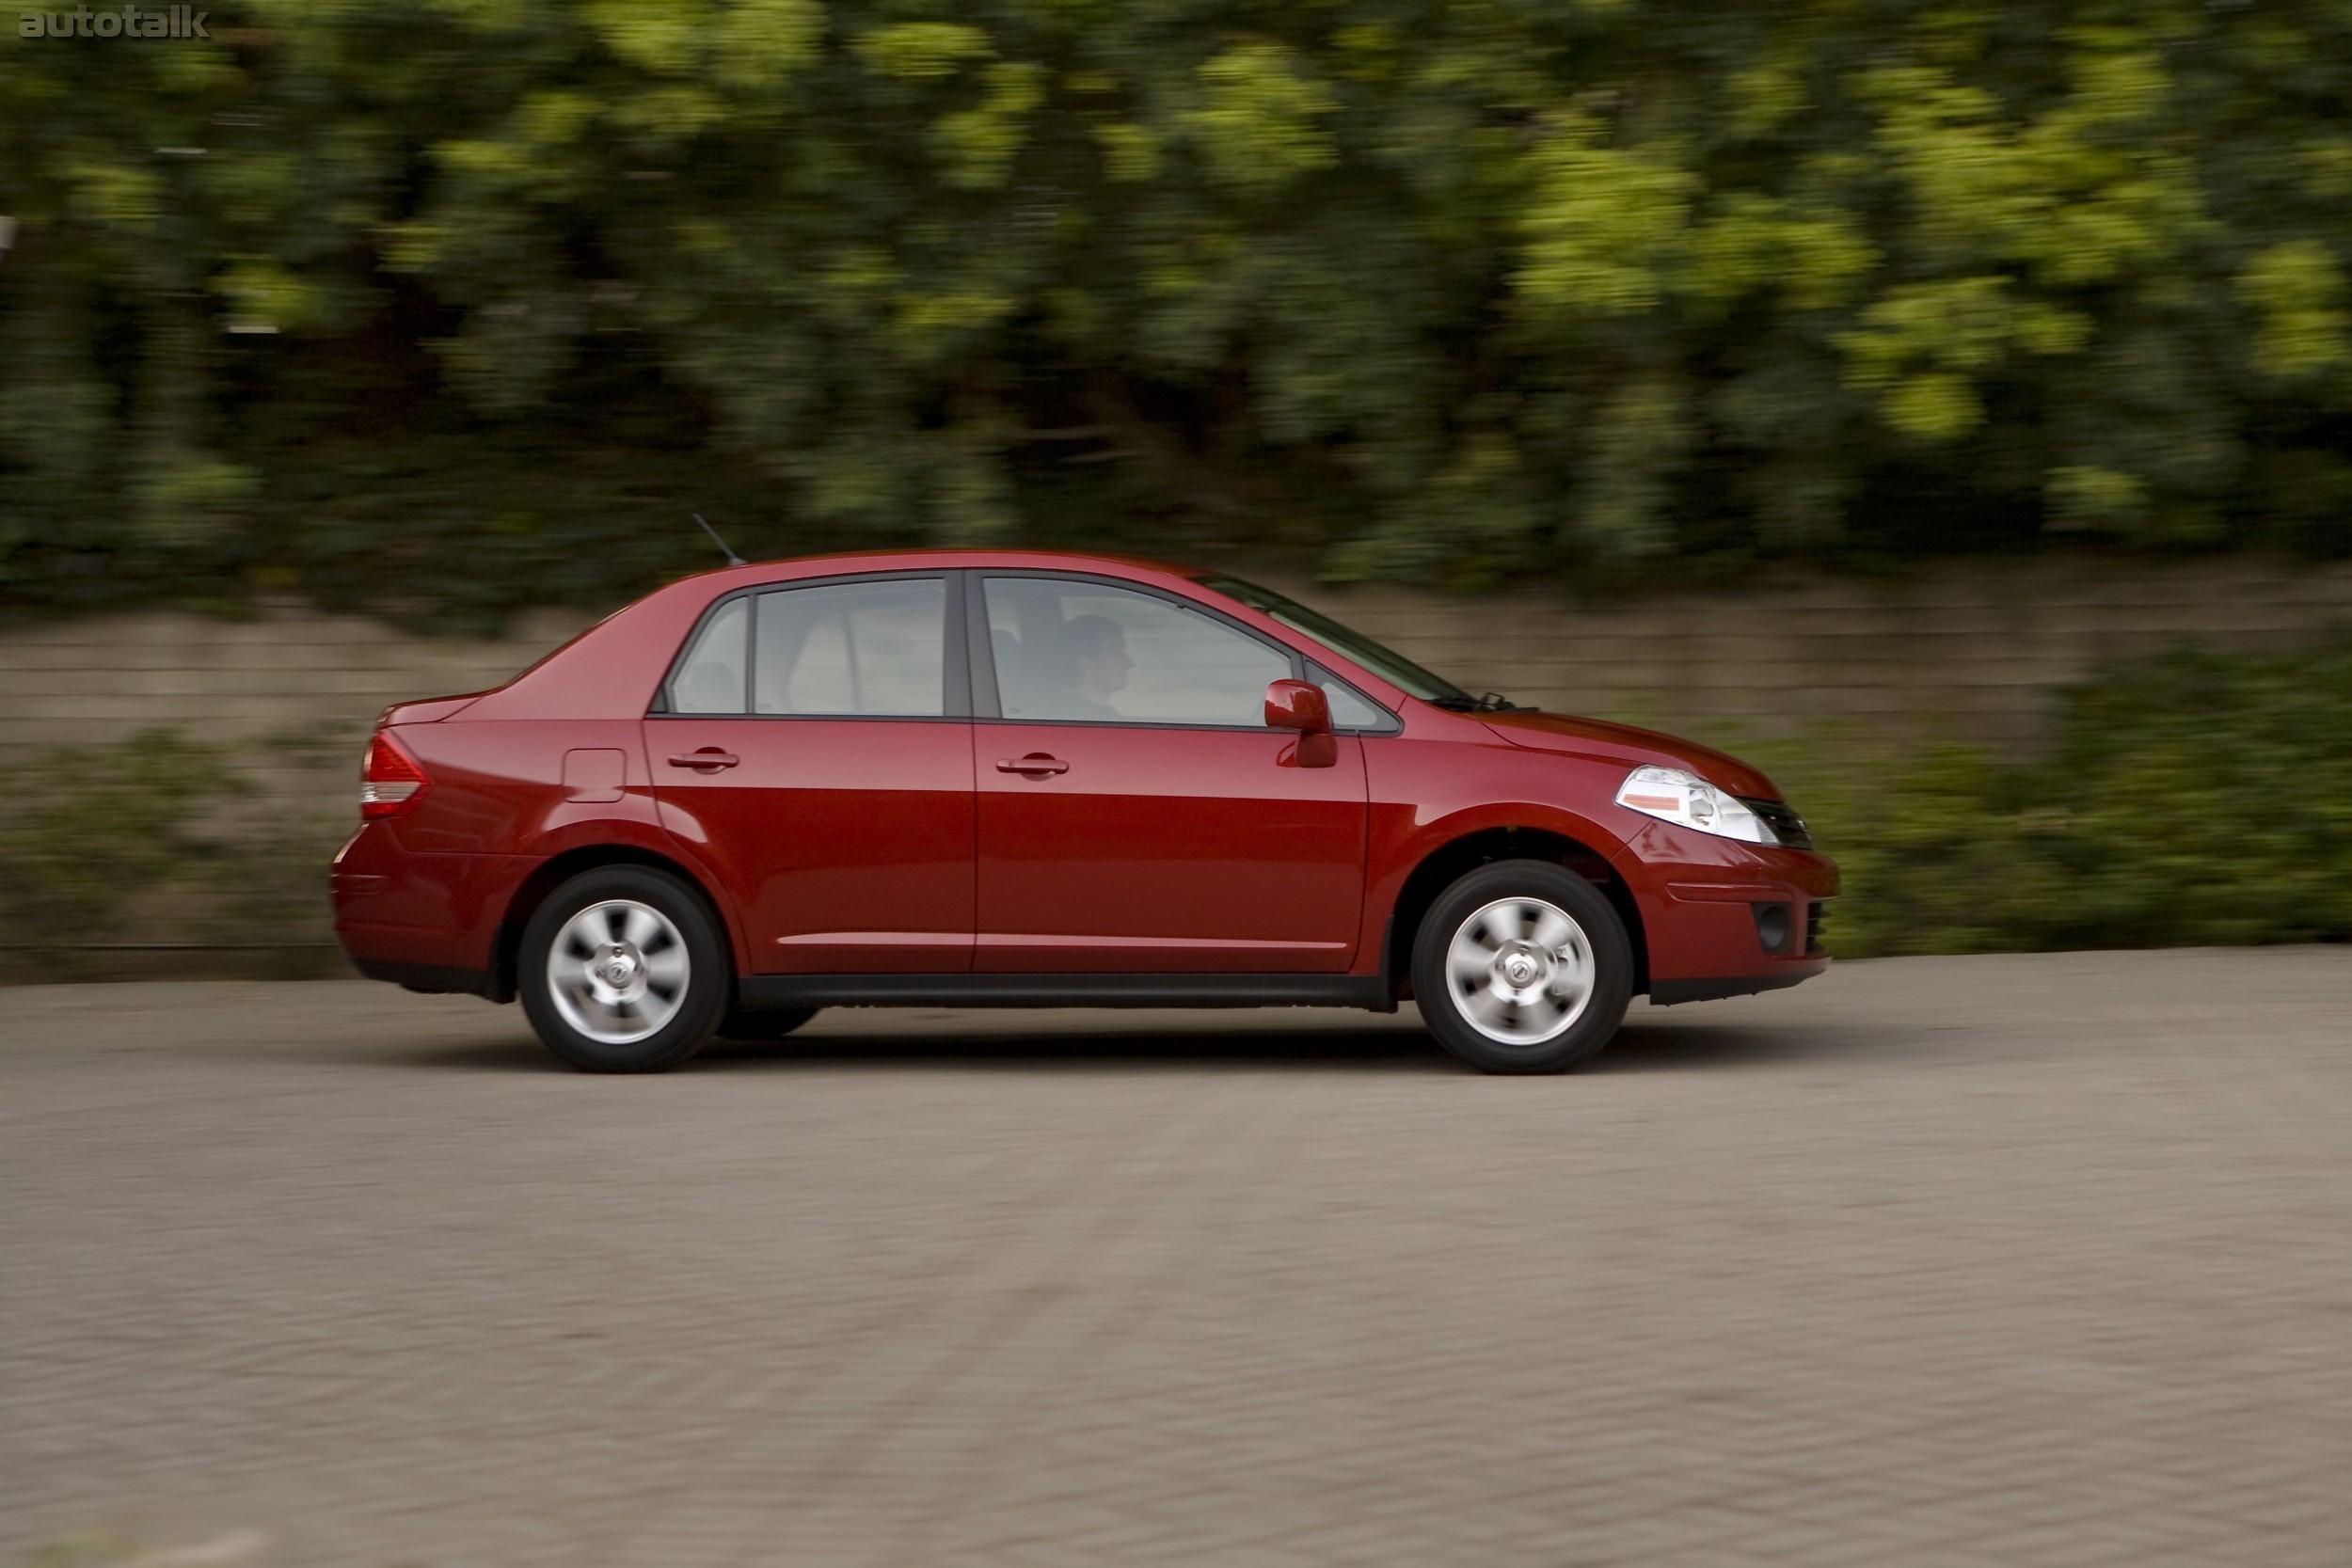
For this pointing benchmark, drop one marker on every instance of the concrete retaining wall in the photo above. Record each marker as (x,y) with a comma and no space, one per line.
(1975,651)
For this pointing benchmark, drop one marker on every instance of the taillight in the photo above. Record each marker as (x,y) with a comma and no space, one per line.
(391,781)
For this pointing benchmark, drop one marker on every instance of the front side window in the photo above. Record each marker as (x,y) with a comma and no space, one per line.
(1346,641)
(875,649)
(1350,710)
(1068,650)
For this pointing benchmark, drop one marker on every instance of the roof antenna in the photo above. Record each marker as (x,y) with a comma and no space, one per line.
(733,559)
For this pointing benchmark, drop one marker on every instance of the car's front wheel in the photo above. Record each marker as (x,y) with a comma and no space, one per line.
(1522,966)
(624,970)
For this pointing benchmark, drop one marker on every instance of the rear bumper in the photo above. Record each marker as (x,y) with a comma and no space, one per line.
(429,922)
(433,977)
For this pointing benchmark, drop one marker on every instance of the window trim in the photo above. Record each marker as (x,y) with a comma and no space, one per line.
(1225,585)
(1328,676)
(955,674)
(987,704)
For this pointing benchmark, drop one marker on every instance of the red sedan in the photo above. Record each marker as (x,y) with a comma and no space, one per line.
(1029,779)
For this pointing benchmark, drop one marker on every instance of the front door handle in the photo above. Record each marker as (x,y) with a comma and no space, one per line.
(1036,765)
(709,760)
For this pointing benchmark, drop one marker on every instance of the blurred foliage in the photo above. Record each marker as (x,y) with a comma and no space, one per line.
(2184,801)
(442,307)
(162,839)
(106,1548)
(84,829)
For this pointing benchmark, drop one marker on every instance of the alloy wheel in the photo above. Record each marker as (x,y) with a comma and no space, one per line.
(617,972)
(1520,970)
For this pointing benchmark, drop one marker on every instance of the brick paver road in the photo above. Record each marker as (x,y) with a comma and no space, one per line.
(2004,1260)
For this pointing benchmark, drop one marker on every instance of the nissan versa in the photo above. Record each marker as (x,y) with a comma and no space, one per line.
(1030,779)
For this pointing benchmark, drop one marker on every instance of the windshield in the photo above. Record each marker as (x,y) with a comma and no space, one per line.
(1353,645)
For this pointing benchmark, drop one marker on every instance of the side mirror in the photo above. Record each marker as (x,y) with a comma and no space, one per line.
(1301,706)
(1297,706)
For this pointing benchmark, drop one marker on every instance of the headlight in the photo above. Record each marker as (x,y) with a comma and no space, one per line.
(1672,795)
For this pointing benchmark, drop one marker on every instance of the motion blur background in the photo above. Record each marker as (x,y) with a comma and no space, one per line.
(1946,404)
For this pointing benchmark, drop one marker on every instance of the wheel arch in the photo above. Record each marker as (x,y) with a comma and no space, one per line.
(557,869)
(1447,863)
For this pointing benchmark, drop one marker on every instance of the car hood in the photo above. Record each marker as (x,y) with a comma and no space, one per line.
(1630,745)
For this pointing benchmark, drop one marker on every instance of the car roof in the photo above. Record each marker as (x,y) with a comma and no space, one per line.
(950,556)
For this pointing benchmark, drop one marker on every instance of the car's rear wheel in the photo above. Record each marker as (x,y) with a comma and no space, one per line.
(1522,966)
(760,1027)
(624,970)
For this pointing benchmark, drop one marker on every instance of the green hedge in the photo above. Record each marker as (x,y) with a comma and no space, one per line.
(161,840)
(2183,801)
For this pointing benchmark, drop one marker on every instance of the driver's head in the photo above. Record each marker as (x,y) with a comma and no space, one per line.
(1099,647)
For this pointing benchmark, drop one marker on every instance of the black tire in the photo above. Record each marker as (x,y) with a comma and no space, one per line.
(702,996)
(1603,958)
(760,1028)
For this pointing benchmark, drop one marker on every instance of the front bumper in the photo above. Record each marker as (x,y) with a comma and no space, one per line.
(1721,918)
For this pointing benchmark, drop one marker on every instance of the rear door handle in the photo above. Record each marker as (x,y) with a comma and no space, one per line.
(709,760)
(1036,765)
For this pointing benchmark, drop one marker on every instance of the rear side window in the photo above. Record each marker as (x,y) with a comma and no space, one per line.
(876,649)
(871,649)
(711,679)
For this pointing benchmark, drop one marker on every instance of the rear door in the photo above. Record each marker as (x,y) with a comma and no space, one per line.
(1135,813)
(813,743)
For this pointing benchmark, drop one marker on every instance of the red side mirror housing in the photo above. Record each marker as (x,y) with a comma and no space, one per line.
(1297,706)
(1301,706)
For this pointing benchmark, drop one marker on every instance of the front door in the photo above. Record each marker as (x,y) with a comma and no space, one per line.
(1135,813)
(815,754)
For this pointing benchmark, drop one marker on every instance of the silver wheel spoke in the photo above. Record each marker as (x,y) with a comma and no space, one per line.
(640,927)
(1469,961)
(1492,1008)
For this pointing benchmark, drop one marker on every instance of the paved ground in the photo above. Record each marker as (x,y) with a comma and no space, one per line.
(2036,1261)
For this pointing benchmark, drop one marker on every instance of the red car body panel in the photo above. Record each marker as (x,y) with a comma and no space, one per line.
(1167,850)
(1567,734)
(895,848)
(845,843)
